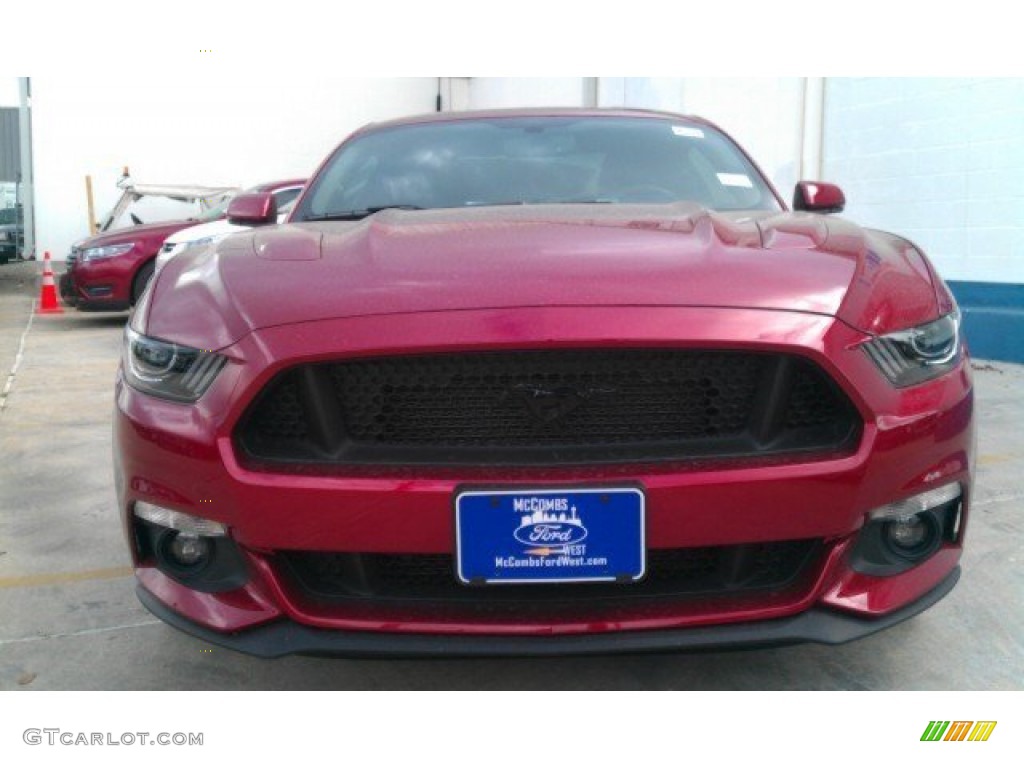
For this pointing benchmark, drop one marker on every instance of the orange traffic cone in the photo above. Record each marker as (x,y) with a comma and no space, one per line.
(48,303)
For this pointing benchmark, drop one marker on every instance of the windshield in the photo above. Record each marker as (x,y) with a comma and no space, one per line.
(535,160)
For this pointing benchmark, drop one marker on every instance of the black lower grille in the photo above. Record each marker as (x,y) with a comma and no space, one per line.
(693,571)
(547,407)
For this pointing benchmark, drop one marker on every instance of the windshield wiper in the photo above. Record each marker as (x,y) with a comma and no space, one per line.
(359,213)
(579,201)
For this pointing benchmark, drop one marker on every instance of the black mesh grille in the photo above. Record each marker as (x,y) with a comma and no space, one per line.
(543,399)
(812,403)
(282,416)
(547,407)
(698,570)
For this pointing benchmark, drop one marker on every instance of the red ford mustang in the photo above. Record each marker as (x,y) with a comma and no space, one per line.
(547,381)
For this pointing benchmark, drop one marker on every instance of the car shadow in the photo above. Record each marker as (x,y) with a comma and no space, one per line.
(96,320)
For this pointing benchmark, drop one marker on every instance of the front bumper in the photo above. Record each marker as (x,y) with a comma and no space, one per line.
(103,286)
(184,457)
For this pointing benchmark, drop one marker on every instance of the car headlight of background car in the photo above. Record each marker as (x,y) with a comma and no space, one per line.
(200,242)
(167,370)
(105,251)
(203,241)
(918,354)
(172,249)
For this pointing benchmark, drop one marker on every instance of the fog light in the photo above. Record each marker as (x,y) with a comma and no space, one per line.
(204,563)
(907,533)
(912,537)
(184,555)
(904,533)
(188,549)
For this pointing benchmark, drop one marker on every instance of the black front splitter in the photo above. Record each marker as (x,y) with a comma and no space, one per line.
(282,638)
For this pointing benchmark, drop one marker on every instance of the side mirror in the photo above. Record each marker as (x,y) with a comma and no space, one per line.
(252,209)
(819,197)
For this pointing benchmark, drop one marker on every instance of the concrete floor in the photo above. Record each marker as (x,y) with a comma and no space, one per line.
(69,618)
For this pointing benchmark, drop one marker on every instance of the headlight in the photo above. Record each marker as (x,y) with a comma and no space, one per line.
(201,241)
(106,251)
(204,241)
(170,250)
(918,354)
(166,370)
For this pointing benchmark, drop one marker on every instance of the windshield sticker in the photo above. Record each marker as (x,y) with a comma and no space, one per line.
(685,130)
(735,180)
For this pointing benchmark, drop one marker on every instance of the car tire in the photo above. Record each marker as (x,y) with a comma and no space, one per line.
(142,278)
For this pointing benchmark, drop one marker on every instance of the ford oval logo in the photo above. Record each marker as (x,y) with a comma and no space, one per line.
(552,522)
(551,533)
(551,529)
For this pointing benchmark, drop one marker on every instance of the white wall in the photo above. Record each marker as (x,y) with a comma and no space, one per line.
(500,92)
(9,96)
(940,161)
(176,132)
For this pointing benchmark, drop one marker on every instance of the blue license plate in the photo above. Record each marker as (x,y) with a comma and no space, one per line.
(508,537)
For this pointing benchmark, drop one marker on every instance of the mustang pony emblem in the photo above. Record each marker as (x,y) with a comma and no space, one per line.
(548,405)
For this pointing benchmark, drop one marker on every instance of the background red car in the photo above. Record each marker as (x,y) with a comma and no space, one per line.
(539,382)
(109,272)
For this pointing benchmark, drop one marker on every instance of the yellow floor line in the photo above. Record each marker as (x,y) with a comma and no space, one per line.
(994,458)
(44,579)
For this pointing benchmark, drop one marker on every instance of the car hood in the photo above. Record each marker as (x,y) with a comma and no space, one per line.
(584,255)
(129,234)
